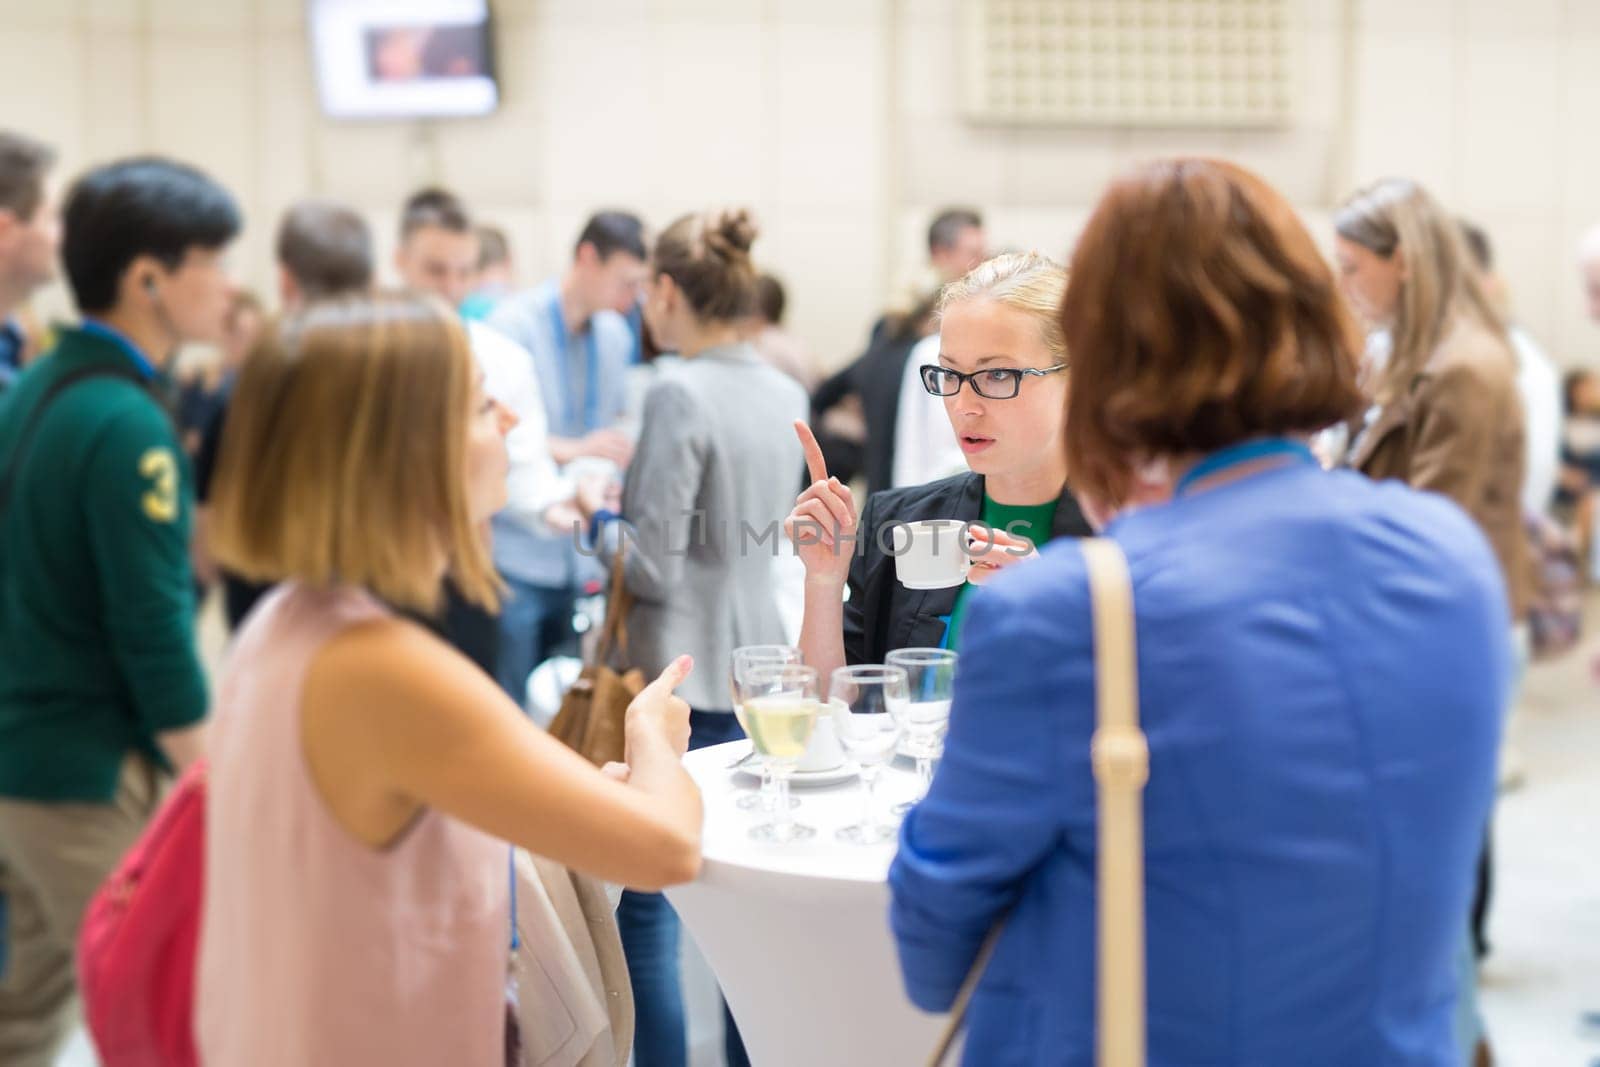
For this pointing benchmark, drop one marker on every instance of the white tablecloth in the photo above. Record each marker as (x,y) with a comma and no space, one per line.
(798,934)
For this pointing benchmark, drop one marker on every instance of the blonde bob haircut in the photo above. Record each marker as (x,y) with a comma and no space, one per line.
(1029,282)
(344,457)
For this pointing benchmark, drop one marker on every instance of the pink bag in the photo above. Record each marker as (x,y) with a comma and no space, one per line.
(136,950)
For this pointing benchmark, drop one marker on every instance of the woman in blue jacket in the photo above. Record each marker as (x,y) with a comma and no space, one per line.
(1319,658)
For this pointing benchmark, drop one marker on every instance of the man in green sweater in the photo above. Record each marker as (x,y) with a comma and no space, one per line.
(101,687)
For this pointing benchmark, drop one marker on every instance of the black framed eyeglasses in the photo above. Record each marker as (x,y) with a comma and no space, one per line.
(998,383)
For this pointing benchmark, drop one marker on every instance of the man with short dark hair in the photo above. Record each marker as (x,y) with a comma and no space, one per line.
(101,687)
(324,249)
(30,230)
(956,243)
(438,251)
(496,275)
(574,327)
(581,348)
(438,254)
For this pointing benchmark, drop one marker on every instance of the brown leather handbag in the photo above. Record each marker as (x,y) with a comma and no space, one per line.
(595,710)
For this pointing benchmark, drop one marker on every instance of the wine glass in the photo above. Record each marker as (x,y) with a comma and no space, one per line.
(780,711)
(860,700)
(930,679)
(743,659)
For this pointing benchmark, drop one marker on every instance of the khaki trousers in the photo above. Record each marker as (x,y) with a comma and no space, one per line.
(53,857)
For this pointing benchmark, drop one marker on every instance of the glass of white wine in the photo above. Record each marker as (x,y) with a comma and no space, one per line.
(743,659)
(862,701)
(931,680)
(780,711)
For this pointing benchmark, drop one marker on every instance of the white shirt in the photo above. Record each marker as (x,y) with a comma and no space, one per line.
(1540,387)
(533,483)
(925,445)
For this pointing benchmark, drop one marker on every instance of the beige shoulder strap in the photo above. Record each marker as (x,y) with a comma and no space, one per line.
(1121,763)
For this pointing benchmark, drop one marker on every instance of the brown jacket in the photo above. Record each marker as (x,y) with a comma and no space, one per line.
(1458,431)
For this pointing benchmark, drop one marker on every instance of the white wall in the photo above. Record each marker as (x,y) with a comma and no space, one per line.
(1495,104)
(837,120)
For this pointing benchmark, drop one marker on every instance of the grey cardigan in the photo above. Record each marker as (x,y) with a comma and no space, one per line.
(714,475)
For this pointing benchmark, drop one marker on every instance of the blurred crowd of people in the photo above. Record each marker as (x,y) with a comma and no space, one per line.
(410,498)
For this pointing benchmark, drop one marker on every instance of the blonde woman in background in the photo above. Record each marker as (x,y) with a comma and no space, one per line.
(1447,416)
(1001,371)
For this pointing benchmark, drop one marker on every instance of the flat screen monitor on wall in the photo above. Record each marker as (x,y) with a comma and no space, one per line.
(402,59)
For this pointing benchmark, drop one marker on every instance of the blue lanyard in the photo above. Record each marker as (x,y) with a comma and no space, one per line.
(12,342)
(516,937)
(591,393)
(1238,455)
(140,362)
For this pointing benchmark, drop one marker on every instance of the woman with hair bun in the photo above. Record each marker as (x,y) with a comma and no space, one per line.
(713,472)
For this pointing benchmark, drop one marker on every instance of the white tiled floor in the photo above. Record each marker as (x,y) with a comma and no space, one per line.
(1544,973)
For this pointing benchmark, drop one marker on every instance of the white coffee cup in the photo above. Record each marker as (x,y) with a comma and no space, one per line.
(931,554)
(824,753)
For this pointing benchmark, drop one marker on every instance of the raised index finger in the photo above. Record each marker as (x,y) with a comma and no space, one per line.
(808,442)
(670,678)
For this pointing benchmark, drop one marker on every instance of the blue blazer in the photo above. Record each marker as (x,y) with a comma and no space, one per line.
(1323,664)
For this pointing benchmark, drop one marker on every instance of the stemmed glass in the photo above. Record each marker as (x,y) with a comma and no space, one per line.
(780,711)
(930,678)
(862,701)
(743,659)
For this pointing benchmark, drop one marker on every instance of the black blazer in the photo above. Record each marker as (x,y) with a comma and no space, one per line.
(883,615)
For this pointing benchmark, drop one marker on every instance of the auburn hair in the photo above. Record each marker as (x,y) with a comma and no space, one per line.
(1200,314)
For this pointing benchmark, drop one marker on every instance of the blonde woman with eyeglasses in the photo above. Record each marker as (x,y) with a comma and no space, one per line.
(1002,374)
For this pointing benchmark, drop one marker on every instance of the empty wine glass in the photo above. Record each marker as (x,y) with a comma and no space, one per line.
(861,701)
(930,679)
(780,711)
(743,659)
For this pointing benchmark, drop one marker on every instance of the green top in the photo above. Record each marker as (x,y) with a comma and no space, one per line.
(1033,521)
(97,644)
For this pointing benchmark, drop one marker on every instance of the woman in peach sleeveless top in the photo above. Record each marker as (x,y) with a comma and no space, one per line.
(366,779)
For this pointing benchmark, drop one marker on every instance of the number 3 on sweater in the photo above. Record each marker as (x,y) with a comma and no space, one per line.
(160,503)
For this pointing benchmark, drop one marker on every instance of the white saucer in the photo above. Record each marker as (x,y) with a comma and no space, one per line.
(832,776)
